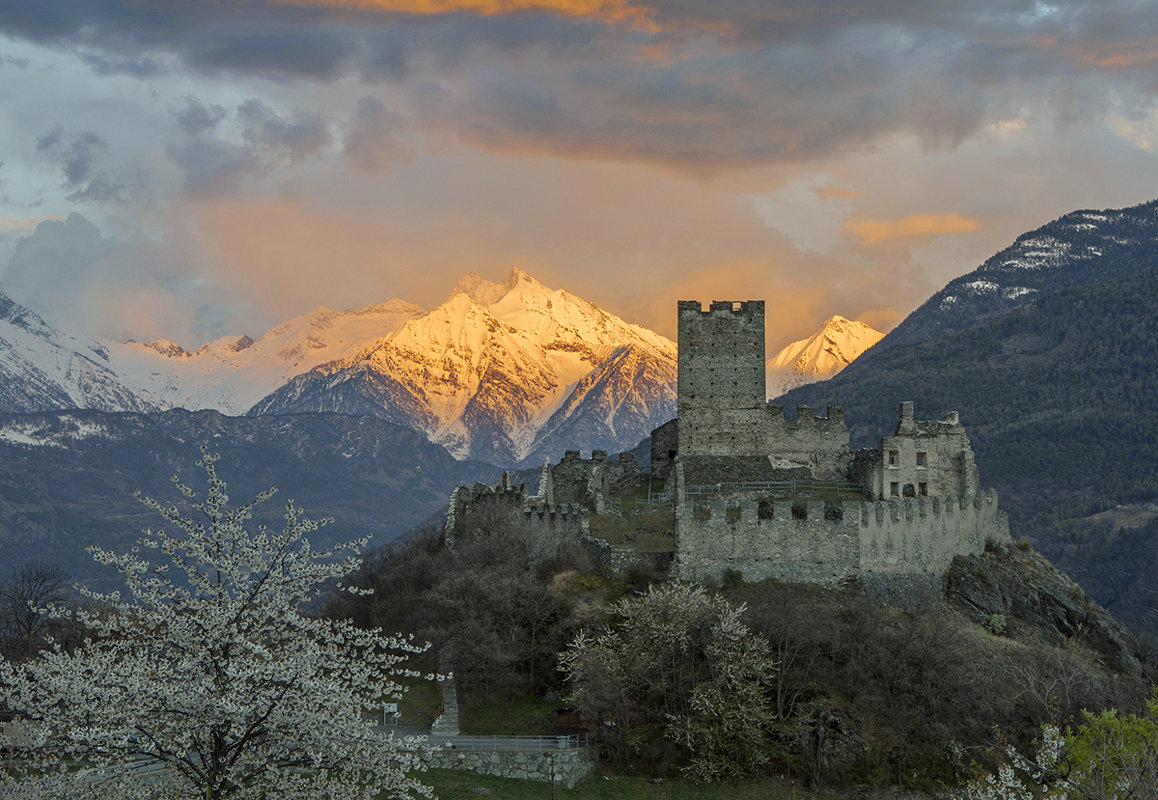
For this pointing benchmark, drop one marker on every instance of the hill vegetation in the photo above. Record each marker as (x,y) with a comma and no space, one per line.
(861,694)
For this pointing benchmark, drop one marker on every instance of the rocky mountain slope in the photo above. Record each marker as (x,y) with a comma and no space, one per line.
(506,372)
(67,478)
(44,368)
(837,344)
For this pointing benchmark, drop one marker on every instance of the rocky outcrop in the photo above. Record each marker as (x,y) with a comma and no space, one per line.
(1035,602)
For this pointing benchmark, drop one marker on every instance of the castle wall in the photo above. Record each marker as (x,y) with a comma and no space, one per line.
(923,534)
(826,543)
(664,448)
(818,442)
(490,511)
(574,479)
(762,542)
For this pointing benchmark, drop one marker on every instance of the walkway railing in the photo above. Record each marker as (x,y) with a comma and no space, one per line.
(574,742)
(793,487)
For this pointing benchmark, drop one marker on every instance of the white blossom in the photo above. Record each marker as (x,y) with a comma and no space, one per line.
(205,679)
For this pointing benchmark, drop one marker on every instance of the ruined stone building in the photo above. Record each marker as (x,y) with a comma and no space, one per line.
(759,494)
(773,497)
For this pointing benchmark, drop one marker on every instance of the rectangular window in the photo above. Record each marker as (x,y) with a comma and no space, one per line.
(920,459)
(923,489)
(892,458)
(894,488)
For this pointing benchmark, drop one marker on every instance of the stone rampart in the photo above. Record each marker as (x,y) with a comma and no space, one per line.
(488,511)
(923,534)
(779,539)
(828,543)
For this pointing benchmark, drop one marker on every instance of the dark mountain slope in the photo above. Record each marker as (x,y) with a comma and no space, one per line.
(67,478)
(1077,249)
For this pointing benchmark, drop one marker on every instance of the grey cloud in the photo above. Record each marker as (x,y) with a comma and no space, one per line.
(276,51)
(9,61)
(85,280)
(47,266)
(211,167)
(78,157)
(195,117)
(374,140)
(726,83)
(292,138)
(214,164)
(106,64)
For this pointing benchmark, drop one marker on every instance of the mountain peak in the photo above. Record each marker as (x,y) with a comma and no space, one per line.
(832,348)
(486,293)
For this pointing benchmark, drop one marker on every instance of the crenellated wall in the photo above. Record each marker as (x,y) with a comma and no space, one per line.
(923,534)
(487,511)
(828,543)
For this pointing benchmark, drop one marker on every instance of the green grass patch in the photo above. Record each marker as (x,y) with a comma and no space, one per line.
(525,714)
(648,532)
(633,495)
(456,785)
(419,706)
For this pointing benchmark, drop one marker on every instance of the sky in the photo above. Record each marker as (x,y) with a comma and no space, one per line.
(187,170)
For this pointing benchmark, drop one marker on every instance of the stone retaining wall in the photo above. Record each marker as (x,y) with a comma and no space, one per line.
(564,767)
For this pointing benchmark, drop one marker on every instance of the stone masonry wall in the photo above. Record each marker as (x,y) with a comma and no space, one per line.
(936,453)
(924,534)
(766,540)
(565,767)
(488,511)
(819,442)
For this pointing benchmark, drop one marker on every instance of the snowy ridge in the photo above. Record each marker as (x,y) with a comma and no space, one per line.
(232,373)
(836,345)
(43,368)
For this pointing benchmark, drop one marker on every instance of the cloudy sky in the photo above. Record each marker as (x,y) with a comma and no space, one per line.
(190,169)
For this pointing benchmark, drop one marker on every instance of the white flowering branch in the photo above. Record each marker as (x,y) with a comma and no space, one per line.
(204,679)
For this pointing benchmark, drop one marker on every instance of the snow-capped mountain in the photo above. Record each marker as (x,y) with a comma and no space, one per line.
(43,368)
(836,345)
(1077,249)
(504,372)
(232,373)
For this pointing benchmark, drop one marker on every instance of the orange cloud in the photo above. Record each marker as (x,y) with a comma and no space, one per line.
(23,224)
(1124,54)
(608,10)
(875,231)
(834,192)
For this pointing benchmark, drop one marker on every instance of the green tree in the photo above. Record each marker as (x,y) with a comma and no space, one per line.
(677,666)
(1109,756)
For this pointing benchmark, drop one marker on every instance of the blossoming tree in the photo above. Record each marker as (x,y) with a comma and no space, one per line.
(205,679)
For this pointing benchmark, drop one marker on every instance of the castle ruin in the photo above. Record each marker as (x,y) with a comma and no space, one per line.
(758,494)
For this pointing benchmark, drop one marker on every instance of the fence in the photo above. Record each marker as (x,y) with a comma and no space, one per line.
(573,742)
(789,487)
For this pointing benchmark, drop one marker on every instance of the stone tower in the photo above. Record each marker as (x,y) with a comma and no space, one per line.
(721,396)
